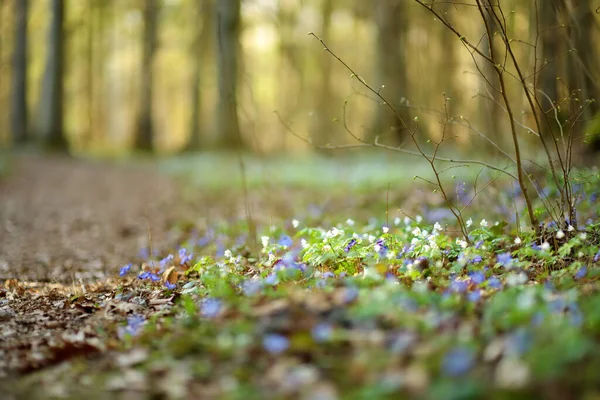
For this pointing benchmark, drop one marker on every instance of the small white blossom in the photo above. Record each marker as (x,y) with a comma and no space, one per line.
(390,255)
(518,240)
(545,246)
(372,238)
(385,229)
(483,223)
(227,253)
(264,240)
(406,221)
(571,228)
(469,223)
(327,247)
(560,234)
(397,221)
(416,231)
(437,227)
(376,247)
(350,222)
(461,243)
(418,218)
(271,257)
(295,223)
(516,279)
(303,243)
(583,236)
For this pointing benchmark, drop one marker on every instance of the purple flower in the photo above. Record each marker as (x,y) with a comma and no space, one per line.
(134,324)
(457,286)
(494,283)
(350,245)
(328,274)
(125,269)
(581,273)
(165,261)
(251,286)
(350,294)
(154,277)
(504,259)
(597,256)
(210,307)
(458,361)
(474,296)
(145,275)
(170,285)
(479,244)
(271,279)
(184,256)
(476,260)
(321,332)
(477,277)
(285,241)
(275,343)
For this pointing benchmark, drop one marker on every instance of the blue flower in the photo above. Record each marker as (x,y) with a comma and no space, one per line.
(184,256)
(165,261)
(350,294)
(275,343)
(251,286)
(581,273)
(328,274)
(518,342)
(474,296)
(134,324)
(285,241)
(321,332)
(458,361)
(350,245)
(272,279)
(145,275)
(597,256)
(494,283)
(476,260)
(459,286)
(170,285)
(477,277)
(210,307)
(125,269)
(505,259)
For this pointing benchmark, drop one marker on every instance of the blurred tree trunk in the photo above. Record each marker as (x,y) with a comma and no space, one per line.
(19,76)
(583,71)
(228,48)
(391,20)
(493,116)
(550,52)
(50,107)
(145,130)
(324,114)
(198,51)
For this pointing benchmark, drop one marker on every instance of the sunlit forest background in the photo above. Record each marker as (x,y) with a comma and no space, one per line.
(110,76)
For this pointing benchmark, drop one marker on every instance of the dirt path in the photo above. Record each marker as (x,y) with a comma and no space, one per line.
(68,220)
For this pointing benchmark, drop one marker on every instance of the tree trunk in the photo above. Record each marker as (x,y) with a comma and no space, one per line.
(145,129)
(19,76)
(228,31)
(198,52)
(50,108)
(323,126)
(391,23)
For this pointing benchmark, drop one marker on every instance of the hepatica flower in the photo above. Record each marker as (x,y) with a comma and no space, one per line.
(134,324)
(505,259)
(285,241)
(350,245)
(477,277)
(458,361)
(149,275)
(184,256)
(494,283)
(321,332)
(581,273)
(170,285)
(275,343)
(125,269)
(210,307)
(165,261)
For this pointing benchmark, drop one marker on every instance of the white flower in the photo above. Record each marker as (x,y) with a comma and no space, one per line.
(560,234)
(390,255)
(377,248)
(350,222)
(583,236)
(437,227)
(385,229)
(571,228)
(227,253)
(327,247)
(371,238)
(416,231)
(469,223)
(264,240)
(303,243)
(295,223)
(271,257)
(406,221)
(545,246)
(518,240)
(418,218)
(397,221)
(333,232)
(516,279)
(483,223)
(461,243)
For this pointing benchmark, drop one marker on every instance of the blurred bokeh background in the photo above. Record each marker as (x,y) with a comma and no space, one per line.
(166,76)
